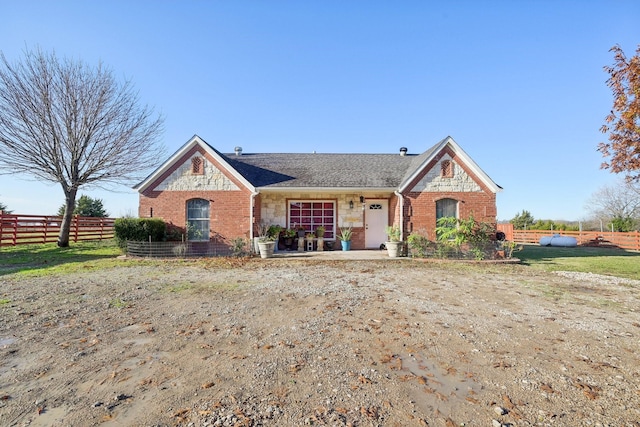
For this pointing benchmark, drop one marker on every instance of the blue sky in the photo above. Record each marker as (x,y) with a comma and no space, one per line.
(518,84)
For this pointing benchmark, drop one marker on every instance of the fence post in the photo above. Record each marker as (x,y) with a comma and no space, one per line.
(76,226)
(45,230)
(14,236)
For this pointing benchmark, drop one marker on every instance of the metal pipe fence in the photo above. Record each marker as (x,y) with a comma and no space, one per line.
(177,249)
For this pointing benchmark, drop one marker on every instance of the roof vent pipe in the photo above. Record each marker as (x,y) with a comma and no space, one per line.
(403,151)
(238,151)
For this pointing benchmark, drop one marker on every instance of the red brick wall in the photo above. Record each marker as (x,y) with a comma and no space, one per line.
(420,207)
(357,239)
(229,210)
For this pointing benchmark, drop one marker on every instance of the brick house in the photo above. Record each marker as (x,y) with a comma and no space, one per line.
(224,196)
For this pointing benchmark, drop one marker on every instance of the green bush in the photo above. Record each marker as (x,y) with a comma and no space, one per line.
(419,244)
(465,238)
(139,229)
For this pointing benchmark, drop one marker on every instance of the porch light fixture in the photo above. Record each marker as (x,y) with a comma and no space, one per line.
(351,204)
(362,201)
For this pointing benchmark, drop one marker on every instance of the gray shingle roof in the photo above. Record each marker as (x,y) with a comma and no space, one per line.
(323,170)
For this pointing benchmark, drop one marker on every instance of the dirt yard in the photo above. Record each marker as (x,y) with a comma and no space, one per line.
(294,343)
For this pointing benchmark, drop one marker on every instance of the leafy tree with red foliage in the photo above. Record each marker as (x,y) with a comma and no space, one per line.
(623,123)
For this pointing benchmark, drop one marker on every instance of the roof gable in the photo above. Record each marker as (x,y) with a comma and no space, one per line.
(422,163)
(181,156)
(311,171)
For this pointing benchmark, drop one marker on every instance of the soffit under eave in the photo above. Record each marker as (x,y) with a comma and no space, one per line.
(266,190)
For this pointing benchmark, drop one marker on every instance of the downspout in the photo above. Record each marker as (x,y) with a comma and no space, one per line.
(397,193)
(251,217)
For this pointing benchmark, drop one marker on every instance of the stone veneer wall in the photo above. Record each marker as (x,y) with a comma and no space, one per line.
(182,179)
(433,181)
(273,206)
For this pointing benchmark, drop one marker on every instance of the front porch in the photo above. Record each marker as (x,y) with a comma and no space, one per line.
(367,254)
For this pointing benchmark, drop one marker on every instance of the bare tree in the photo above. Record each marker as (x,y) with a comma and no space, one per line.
(618,204)
(67,122)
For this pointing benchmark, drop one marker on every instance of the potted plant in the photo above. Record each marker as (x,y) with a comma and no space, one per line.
(320,234)
(267,246)
(345,238)
(394,244)
(273,232)
(288,235)
(262,232)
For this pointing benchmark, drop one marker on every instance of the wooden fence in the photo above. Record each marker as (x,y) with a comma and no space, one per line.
(26,229)
(629,241)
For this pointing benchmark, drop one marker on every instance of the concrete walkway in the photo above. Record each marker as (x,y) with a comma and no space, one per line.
(372,254)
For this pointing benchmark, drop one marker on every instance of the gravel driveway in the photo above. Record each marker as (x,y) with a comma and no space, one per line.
(292,342)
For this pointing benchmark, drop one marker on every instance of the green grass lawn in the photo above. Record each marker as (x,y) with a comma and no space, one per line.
(613,262)
(43,259)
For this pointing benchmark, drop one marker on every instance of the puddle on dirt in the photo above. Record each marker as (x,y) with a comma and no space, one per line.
(6,341)
(443,387)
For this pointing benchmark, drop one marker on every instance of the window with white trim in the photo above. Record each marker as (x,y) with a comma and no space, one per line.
(311,214)
(446,207)
(198,220)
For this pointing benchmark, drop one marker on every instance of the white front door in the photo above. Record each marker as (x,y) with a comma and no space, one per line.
(376,216)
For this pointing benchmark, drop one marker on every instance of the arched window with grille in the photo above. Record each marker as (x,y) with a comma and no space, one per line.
(198,220)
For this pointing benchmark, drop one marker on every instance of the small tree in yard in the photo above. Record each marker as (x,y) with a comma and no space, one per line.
(3,208)
(66,122)
(87,206)
(623,122)
(522,220)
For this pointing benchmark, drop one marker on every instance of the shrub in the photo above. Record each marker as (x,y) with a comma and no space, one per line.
(239,247)
(139,229)
(174,233)
(419,244)
(465,237)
